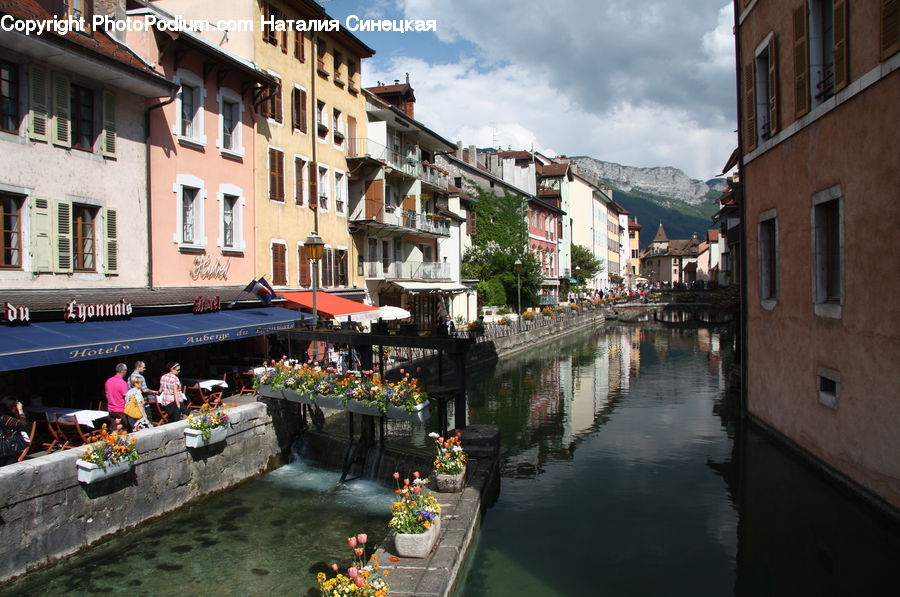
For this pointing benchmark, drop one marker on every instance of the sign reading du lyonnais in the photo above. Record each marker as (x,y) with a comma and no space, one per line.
(14,314)
(75,311)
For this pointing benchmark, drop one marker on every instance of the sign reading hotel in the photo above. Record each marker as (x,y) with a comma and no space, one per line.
(207,303)
(75,311)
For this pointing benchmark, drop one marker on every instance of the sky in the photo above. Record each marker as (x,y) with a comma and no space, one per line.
(637,82)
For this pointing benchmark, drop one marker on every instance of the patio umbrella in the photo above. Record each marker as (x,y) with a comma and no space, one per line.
(389,312)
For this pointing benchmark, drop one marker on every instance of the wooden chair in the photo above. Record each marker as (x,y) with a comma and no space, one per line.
(159,414)
(72,433)
(100,405)
(246,383)
(31,442)
(214,399)
(195,396)
(55,439)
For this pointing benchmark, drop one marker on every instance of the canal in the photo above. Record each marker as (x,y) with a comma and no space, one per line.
(622,475)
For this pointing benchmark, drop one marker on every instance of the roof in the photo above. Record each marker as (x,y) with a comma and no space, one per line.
(552,169)
(516,155)
(633,224)
(683,247)
(660,234)
(401,88)
(400,114)
(481,172)
(98,44)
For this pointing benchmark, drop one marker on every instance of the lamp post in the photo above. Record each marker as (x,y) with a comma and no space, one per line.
(314,247)
(577,284)
(518,268)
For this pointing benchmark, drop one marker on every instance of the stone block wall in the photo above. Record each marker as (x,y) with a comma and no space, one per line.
(46,514)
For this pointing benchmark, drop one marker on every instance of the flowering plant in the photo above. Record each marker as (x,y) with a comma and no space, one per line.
(505,321)
(364,580)
(208,419)
(451,458)
(547,312)
(110,448)
(415,510)
(475,326)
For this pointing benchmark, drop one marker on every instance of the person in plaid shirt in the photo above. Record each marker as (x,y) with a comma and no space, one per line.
(170,395)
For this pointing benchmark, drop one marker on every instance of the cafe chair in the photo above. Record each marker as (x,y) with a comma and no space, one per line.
(100,405)
(214,399)
(195,397)
(72,433)
(246,383)
(31,441)
(55,439)
(159,414)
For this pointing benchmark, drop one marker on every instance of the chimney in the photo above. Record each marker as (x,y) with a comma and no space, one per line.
(473,156)
(459,150)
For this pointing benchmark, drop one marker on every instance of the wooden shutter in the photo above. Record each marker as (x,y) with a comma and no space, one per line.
(313,170)
(62,242)
(749,107)
(841,56)
(37,103)
(276,175)
(890,28)
(299,181)
(112,242)
(41,235)
(801,62)
(299,50)
(409,202)
(276,105)
(328,268)
(108,146)
(773,87)
(303,266)
(278,265)
(61,132)
(304,118)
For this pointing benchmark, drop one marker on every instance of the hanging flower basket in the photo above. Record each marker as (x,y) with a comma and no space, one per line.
(88,472)
(308,398)
(193,438)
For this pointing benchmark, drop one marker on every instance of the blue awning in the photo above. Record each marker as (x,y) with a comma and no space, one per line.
(54,342)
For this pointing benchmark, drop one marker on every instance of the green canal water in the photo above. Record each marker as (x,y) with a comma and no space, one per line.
(621,476)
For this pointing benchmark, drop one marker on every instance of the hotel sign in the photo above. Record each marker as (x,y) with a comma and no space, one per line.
(207,303)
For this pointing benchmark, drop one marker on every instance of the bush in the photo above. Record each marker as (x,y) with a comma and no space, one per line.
(504,311)
(493,292)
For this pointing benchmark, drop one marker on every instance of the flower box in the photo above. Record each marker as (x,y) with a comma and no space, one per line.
(307,398)
(422,413)
(193,438)
(88,472)
(355,406)
(419,545)
(268,392)
(451,483)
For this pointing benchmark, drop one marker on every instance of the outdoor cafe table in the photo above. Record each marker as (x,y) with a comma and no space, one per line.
(205,384)
(70,415)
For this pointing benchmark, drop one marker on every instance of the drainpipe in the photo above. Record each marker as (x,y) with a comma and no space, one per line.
(742,324)
(165,102)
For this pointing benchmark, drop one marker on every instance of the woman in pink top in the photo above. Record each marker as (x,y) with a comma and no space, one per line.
(170,395)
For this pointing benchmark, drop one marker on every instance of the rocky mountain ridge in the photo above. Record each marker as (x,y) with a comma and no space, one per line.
(665,181)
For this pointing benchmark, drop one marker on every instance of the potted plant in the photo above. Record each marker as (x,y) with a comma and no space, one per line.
(362,578)
(450,464)
(415,518)
(209,426)
(110,454)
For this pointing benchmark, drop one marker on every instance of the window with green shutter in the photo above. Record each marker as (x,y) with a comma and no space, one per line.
(37,103)
(112,241)
(61,133)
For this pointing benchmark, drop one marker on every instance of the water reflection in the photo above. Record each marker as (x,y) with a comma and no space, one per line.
(624,475)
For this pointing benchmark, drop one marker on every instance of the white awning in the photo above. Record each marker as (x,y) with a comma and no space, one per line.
(426,287)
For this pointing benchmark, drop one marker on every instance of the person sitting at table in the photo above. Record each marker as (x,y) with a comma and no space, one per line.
(12,420)
(138,374)
(170,396)
(116,388)
(136,392)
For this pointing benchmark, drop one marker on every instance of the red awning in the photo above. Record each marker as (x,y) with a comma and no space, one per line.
(331,306)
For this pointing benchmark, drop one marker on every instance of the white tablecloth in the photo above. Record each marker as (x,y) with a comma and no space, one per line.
(68,415)
(207,384)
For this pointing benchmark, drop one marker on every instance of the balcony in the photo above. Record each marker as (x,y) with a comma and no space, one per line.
(407,270)
(426,222)
(362,148)
(434,177)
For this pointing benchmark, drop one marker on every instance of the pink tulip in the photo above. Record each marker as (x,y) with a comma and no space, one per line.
(362,538)
(406,481)
(352,572)
(402,371)
(396,475)
(351,541)
(358,552)
(358,581)
(416,474)
(416,489)
(334,567)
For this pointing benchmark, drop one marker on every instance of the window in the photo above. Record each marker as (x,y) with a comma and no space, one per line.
(299,47)
(768,258)
(321,50)
(457,182)
(338,62)
(765,108)
(828,383)
(339,204)
(9,97)
(304,266)
(351,78)
(890,28)
(328,267)
(321,119)
(828,247)
(189,125)
(385,256)
(189,210)
(10,231)
(299,180)
(276,175)
(323,188)
(820,52)
(83,217)
(231,110)
(338,123)
(189,103)
(270,36)
(82,114)
(231,221)
(298,109)
(271,106)
(340,267)
(279,264)
(229,123)
(190,196)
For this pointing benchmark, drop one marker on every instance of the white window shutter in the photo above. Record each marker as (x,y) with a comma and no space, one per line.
(108,146)
(61,133)
(41,235)
(62,228)
(37,103)
(112,242)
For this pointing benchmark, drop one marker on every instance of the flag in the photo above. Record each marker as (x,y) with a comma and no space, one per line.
(261,289)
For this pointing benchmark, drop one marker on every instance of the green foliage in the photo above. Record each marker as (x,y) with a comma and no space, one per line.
(584,265)
(492,291)
(679,219)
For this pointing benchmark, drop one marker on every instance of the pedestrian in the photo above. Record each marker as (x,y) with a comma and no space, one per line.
(116,388)
(170,397)
(138,374)
(451,327)
(134,404)
(12,430)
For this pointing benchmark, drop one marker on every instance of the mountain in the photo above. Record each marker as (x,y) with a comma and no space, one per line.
(654,195)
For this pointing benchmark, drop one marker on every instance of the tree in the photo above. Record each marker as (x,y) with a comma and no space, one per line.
(584,265)
(501,238)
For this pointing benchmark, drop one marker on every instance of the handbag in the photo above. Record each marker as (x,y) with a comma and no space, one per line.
(133,409)
(12,444)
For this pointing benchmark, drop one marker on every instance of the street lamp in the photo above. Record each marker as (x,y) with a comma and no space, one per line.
(314,247)
(577,284)
(518,268)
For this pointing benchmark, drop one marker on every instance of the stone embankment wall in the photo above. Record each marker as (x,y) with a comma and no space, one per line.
(513,343)
(46,514)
